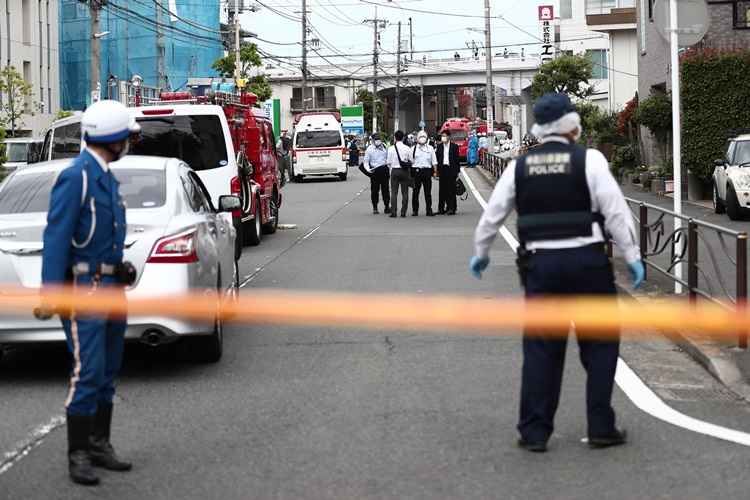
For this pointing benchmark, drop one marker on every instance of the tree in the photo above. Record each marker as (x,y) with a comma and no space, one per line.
(17,100)
(567,74)
(364,97)
(249,59)
(655,113)
(3,173)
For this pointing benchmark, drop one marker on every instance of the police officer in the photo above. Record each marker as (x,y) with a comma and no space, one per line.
(566,200)
(425,168)
(83,246)
(375,166)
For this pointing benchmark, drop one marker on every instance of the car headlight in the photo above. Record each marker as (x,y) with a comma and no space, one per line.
(742,181)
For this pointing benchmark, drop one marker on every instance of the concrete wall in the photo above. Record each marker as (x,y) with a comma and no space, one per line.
(623,61)
(345,91)
(29,42)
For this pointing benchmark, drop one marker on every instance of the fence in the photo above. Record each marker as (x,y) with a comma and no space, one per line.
(712,254)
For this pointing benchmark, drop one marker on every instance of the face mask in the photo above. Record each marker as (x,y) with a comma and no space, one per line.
(422,140)
(378,143)
(444,139)
(119,155)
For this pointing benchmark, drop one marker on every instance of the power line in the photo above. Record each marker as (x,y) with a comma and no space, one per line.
(189,22)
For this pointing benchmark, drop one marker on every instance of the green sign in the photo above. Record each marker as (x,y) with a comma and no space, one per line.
(272,107)
(353,119)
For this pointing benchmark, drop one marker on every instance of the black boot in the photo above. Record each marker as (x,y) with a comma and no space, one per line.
(101,451)
(79,461)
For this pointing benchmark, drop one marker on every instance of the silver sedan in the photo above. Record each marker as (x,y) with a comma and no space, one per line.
(176,239)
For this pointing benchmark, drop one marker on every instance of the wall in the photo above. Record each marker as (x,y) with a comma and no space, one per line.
(131,46)
(21,42)
(623,63)
(283,89)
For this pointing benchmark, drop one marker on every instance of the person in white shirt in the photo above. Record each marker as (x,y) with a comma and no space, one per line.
(425,168)
(400,161)
(375,166)
(566,200)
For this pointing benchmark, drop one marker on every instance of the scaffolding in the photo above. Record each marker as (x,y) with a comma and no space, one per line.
(138,37)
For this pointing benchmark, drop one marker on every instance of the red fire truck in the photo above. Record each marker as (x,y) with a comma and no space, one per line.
(228,142)
(459,130)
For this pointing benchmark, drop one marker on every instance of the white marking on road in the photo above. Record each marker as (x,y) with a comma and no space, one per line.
(33,440)
(632,385)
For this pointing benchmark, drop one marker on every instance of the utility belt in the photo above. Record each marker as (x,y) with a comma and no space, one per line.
(124,273)
(524,255)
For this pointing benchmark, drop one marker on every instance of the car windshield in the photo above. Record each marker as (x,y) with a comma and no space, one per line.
(17,151)
(459,135)
(742,153)
(319,139)
(197,140)
(30,192)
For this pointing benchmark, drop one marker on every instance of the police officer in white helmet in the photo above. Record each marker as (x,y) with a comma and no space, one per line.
(83,248)
(567,201)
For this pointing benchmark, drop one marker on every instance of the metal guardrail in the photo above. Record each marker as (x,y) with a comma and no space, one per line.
(690,245)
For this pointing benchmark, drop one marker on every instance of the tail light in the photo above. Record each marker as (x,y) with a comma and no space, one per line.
(344,154)
(294,156)
(175,249)
(235,187)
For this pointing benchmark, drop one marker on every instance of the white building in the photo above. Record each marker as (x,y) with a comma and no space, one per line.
(29,42)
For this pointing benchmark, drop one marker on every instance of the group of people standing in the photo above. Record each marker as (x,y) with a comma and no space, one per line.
(405,166)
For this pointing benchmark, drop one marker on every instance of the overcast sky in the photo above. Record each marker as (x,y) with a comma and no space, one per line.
(339,24)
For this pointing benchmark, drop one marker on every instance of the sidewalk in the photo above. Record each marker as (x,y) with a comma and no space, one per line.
(727,363)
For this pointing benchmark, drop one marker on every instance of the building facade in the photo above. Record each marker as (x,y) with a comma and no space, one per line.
(728,29)
(165,43)
(29,43)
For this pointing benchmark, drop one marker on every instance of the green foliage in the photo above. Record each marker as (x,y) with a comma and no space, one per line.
(626,157)
(567,74)
(364,97)
(655,113)
(249,59)
(715,102)
(3,158)
(599,127)
(63,113)
(17,101)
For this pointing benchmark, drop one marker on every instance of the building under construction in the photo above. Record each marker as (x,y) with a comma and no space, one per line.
(165,42)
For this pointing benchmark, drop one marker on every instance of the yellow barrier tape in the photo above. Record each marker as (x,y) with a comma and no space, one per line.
(594,317)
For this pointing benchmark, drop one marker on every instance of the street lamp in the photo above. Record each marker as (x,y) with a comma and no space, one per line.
(137,82)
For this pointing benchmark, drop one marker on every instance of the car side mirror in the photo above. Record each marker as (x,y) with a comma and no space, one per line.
(229,203)
(719,163)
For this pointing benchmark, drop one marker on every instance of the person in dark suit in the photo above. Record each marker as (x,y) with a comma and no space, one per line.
(448,170)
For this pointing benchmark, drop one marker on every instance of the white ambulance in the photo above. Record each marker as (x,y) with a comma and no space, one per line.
(318,148)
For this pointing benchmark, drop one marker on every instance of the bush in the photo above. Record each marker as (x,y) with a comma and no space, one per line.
(715,97)
(655,113)
(624,157)
(626,122)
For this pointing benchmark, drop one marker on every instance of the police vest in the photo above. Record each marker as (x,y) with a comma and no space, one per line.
(552,196)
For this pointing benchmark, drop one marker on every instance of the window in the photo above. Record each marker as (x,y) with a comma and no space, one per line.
(742,15)
(566,9)
(594,7)
(197,140)
(650,10)
(319,139)
(17,151)
(141,188)
(67,141)
(741,153)
(26,21)
(27,79)
(202,192)
(193,195)
(642,27)
(599,60)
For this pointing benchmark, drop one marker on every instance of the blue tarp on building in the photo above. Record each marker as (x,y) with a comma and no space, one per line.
(191,44)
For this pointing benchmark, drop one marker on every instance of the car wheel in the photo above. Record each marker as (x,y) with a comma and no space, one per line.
(253,229)
(209,348)
(298,178)
(719,207)
(733,205)
(342,177)
(271,227)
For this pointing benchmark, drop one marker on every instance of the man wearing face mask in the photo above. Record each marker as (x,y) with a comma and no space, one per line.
(425,167)
(83,248)
(449,167)
(567,201)
(375,166)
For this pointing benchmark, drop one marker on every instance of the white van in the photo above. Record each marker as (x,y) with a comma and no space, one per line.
(318,147)
(63,139)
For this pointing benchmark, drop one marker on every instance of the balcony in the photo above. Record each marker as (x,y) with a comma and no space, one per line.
(318,103)
(615,19)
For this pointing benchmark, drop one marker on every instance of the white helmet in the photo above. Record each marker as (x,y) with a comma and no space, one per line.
(107,122)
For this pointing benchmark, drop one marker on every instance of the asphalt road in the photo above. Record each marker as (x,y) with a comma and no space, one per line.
(340,413)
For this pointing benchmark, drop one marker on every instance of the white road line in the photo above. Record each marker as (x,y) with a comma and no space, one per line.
(632,385)
(33,440)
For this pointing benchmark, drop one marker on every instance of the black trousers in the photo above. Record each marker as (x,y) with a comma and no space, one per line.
(422,180)
(578,271)
(400,180)
(447,195)
(379,184)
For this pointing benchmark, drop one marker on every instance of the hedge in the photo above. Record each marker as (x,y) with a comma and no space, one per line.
(715,104)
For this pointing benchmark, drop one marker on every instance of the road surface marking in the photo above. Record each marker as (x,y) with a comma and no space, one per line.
(631,384)
(33,440)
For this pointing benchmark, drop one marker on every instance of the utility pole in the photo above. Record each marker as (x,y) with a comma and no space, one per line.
(397,107)
(237,62)
(411,40)
(488,49)
(95,6)
(304,55)
(377,24)
(160,50)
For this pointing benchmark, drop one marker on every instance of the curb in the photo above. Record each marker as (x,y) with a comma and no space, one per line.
(716,359)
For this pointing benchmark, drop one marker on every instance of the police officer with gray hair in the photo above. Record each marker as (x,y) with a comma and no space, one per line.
(567,201)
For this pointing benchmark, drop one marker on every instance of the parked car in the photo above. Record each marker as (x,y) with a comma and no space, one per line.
(62,139)
(731,190)
(20,151)
(176,238)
